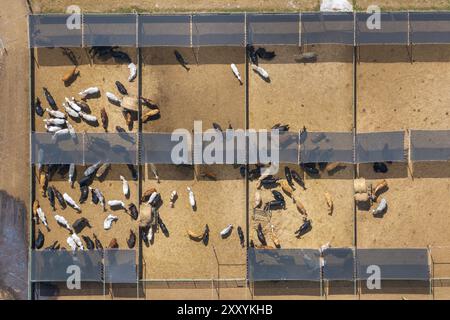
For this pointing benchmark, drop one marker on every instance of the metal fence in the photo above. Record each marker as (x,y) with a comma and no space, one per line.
(409,269)
(239,29)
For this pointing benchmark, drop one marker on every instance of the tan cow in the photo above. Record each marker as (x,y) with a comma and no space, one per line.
(70,75)
(35,206)
(329,203)
(195,236)
(113,244)
(149,114)
(146,219)
(43,181)
(147,194)
(286,188)
(274,237)
(299,205)
(379,187)
(258,200)
(332,166)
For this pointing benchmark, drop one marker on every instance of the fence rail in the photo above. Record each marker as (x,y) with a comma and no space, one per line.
(238,29)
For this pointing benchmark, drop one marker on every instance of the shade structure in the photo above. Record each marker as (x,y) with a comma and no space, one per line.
(326,147)
(430,27)
(218,30)
(289,147)
(120,266)
(217,147)
(110,30)
(239,29)
(84,148)
(162,148)
(60,265)
(393,29)
(327,28)
(50,30)
(273,29)
(339,264)
(430,145)
(284,264)
(45,149)
(380,147)
(393,264)
(164,30)
(114,148)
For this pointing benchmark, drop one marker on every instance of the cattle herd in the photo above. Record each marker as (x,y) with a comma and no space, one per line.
(58,123)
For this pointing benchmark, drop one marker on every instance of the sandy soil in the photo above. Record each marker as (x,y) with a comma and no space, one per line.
(416,218)
(315,95)
(208,290)
(336,229)
(208,91)
(405,4)
(231,5)
(387,81)
(111,188)
(394,94)
(52,65)
(203,93)
(294,96)
(219,203)
(14,132)
(174,5)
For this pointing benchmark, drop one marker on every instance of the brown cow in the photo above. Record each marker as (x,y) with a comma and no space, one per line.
(113,244)
(329,203)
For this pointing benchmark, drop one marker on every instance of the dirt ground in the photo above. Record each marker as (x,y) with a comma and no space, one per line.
(405,4)
(14,157)
(231,5)
(207,290)
(336,229)
(111,187)
(52,65)
(414,95)
(316,95)
(208,91)
(416,218)
(394,94)
(219,203)
(175,5)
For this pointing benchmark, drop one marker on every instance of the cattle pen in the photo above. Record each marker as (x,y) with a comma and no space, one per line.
(331,76)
